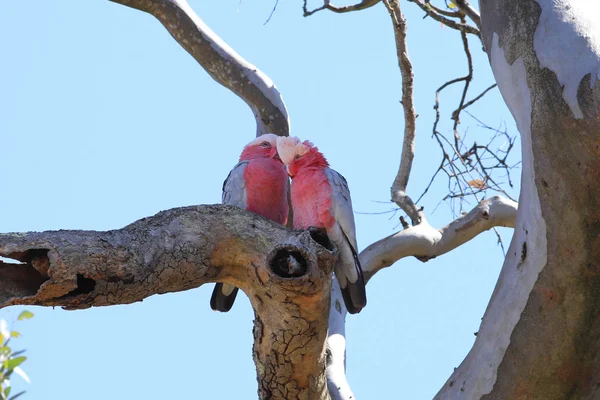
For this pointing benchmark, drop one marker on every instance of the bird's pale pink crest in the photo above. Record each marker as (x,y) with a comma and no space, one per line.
(290,148)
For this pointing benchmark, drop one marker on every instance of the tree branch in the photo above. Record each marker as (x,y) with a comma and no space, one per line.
(425,242)
(221,62)
(469,11)
(398,189)
(421,241)
(460,26)
(337,383)
(285,274)
(344,9)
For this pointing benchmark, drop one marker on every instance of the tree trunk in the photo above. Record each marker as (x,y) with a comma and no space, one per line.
(540,336)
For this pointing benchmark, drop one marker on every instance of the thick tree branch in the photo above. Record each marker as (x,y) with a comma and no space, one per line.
(285,274)
(221,62)
(425,242)
(398,189)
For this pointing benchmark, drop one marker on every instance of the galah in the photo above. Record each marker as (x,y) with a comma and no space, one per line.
(258,183)
(321,199)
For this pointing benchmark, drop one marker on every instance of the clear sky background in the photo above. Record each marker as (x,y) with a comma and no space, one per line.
(104,119)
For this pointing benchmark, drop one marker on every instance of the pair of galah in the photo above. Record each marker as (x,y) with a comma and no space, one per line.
(320,198)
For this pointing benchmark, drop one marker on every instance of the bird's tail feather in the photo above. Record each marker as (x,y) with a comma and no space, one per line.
(354,294)
(223,297)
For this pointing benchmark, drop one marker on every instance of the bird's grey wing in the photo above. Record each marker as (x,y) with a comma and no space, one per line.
(341,205)
(234,187)
(343,234)
(234,193)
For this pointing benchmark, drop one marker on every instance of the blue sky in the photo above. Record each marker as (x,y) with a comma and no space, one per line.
(104,119)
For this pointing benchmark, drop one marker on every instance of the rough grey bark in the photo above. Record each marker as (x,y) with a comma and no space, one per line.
(546,58)
(286,275)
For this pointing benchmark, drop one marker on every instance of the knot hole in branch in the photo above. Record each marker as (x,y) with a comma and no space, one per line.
(319,235)
(36,258)
(288,261)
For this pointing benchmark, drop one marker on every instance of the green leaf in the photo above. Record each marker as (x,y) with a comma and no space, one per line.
(6,391)
(12,363)
(16,353)
(17,395)
(25,315)
(15,334)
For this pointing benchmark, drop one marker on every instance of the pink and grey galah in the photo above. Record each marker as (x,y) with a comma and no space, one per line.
(321,199)
(258,183)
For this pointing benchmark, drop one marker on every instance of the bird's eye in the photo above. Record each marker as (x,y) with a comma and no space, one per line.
(265,144)
(297,157)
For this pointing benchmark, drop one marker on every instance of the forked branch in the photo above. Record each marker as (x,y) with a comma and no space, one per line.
(425,242)
(467,8)
(443,17)
(285,274)
(221,62)
(421,241)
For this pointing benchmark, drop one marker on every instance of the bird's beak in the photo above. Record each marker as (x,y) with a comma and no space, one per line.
(287,167)
(274,154)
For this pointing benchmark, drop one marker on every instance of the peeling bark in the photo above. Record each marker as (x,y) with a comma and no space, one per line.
(286,274)
(540,336)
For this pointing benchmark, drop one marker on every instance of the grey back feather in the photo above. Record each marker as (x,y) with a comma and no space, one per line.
(234,187)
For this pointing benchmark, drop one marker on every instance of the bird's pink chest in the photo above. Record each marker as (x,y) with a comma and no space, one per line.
(266,189)
(311,200)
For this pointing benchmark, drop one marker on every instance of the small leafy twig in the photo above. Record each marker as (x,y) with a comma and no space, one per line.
(10,361)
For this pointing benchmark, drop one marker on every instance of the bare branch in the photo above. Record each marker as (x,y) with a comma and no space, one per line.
(221,62)
(398,189)
(471,102)
(286,275)
(459,26)
(425,242)
(468,78)
(467,8)
(344,9)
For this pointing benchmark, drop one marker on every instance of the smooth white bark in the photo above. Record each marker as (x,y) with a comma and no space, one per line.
(421,240)
(337,384)
(426,242)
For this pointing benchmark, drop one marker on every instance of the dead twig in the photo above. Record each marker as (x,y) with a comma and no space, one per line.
(344,9)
